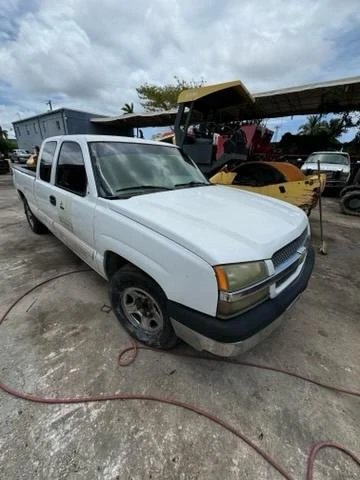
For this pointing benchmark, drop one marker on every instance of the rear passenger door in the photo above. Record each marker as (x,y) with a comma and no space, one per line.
(75,206)
(45,209)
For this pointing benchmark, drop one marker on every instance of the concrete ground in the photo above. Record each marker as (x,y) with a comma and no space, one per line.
(58,341)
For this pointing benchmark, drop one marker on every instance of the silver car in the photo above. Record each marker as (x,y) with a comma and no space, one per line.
(19,155)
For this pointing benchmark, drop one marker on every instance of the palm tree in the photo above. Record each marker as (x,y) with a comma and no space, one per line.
(128,108)
(333,128)
(313,126)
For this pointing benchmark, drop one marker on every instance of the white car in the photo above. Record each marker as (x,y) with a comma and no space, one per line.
(212,265)
(19,155)
(336,166)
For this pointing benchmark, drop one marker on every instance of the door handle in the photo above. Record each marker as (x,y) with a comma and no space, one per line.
(52,200)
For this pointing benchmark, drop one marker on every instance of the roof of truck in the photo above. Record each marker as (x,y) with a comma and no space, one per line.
(107,138)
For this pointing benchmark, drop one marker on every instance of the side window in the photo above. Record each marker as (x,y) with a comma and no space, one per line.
(70,171)
(46,161)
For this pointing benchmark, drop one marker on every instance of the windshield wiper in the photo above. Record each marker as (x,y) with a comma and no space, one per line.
(143,187)
(192,184)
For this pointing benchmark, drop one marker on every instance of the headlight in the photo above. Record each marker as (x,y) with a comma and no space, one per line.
(234,283)
(239,275)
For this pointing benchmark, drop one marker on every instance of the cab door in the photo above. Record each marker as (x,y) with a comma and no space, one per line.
(45,208)
(74,203)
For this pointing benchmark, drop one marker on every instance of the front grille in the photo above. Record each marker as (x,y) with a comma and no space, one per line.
(329,175)
(285,253)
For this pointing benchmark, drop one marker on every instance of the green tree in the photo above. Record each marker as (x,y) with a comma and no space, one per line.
(3,133)
(154,98)
(333,128)
(5,144)
(313,126)
(128,108)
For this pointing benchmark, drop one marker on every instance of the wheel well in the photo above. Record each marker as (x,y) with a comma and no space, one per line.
(21,195)
(113,262)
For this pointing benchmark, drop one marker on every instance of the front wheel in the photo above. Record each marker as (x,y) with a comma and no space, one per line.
(35,224)
(140,306)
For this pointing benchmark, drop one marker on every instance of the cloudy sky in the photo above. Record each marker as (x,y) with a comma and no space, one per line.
(92,54)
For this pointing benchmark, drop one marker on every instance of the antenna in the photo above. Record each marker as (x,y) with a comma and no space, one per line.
(50,105)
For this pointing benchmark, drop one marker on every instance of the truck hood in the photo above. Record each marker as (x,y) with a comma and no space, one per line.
(326,167)
(219,224)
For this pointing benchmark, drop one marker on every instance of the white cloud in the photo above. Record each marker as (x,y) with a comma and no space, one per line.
(94,54)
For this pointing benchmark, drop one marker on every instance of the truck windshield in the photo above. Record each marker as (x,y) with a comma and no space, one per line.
(332,158)
(127,169)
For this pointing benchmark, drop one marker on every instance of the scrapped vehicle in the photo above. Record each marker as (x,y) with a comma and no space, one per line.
(335,165)
(274,179)
(19,155)
(215,145)
(350,197)
(214,266)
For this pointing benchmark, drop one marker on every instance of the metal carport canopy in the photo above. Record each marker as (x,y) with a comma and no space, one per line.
(139,120)
(327,97)
(335,96)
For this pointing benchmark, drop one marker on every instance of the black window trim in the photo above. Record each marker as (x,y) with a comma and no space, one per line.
(52,162)
(56,168)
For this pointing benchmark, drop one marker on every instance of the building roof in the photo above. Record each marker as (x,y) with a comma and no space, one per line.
(50,112)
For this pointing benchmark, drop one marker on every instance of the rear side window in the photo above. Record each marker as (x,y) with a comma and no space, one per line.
(70,171)
(46,160)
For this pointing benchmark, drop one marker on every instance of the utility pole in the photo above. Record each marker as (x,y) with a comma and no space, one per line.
(50,105)
(276,133)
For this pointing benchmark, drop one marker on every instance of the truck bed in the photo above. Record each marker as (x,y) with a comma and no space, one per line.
(25,169)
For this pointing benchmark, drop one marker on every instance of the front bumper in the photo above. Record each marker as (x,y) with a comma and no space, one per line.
(238,334)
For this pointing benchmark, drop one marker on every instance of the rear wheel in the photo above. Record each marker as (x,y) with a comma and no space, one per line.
(350,203)
(140,306)
(35,224)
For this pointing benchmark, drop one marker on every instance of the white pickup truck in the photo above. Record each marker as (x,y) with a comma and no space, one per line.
(212,265)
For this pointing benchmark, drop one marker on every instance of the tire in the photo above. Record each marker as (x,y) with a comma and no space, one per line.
(349,189)
(141,307)
(350,203)
(35,224)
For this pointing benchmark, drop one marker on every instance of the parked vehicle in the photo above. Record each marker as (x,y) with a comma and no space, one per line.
(214,266)
(336,166)
(19,155)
